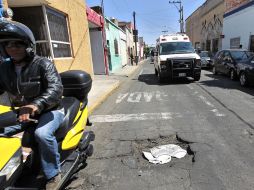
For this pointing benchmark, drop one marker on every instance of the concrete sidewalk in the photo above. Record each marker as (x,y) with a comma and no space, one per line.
(103,86)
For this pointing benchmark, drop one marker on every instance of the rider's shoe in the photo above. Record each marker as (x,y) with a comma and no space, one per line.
(53,182)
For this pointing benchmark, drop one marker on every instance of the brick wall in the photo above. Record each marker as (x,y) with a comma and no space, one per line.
(232,4)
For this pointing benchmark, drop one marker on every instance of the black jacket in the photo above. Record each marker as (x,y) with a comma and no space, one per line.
(39,84)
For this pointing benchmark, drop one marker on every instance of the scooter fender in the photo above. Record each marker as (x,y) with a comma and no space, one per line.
(9,146)
(74,136)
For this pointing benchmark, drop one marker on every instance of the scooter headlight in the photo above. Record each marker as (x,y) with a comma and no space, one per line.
(12,165)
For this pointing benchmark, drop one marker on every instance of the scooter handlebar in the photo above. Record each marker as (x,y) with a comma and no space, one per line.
(10,118)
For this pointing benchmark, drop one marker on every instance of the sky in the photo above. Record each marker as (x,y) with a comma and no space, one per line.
(152,16)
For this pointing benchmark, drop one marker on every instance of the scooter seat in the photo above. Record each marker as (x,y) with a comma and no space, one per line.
(71,107)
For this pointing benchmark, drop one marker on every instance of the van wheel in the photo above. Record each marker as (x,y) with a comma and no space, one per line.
(232,74)
(243,79)
(161,79)
(214,71)
(197,78)
(155,72)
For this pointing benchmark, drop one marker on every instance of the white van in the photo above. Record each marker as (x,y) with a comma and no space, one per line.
(175,58)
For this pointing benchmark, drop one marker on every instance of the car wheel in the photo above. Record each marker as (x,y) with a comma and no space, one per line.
(243,79)
(155,72)
(214,71)
(232,74)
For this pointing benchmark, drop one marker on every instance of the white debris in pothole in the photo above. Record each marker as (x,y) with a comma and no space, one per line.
(162,154)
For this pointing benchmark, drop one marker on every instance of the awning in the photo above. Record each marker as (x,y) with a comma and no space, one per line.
(94,17)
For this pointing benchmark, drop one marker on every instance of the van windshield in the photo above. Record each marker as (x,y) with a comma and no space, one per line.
(176,47)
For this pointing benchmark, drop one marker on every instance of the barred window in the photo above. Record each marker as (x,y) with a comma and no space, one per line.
(235,43)
(59,33)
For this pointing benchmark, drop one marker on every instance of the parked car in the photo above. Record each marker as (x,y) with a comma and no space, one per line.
(206,59)
(225,61)
(245,71)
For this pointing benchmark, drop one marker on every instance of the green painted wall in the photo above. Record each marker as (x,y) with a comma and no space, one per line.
(112,35)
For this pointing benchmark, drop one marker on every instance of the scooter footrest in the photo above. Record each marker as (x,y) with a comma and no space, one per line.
(86,139)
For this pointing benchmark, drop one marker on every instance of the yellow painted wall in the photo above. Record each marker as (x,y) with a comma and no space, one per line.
(79,35)
(193,27)
(5,3)
(204,14)
(79,32)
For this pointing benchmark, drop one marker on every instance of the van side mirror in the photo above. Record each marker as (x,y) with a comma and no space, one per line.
(228,59)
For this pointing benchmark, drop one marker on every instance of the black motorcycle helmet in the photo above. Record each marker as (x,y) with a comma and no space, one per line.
(11,30)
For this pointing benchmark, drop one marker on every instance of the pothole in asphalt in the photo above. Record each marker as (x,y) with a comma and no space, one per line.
(139,161)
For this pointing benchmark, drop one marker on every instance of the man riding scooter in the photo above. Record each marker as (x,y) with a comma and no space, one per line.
(43,101)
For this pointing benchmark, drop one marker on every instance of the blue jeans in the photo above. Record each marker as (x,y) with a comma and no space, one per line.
(44,135)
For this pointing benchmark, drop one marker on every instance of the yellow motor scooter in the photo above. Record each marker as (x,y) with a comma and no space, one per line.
(74,141)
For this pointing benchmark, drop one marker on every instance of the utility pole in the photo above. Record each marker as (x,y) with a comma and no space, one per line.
(135,36)
(181,13)
(105,49)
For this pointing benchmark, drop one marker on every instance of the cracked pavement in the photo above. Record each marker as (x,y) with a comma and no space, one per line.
(214,123)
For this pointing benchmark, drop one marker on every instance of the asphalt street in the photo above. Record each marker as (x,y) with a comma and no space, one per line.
(212,119)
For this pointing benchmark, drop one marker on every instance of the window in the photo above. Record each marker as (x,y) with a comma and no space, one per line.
(116,47)
(240,55)
(59,34)
(208,45)
(57,26)
(38,27)
(235,43)
(197,45)
(252,43)
(176,47)
(219,55)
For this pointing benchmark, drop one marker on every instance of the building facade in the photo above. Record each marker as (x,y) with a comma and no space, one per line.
(123,47)
(113,45)
(127,27)
(61,34)
(141,48)
(97,35)
(204,26)
(238,30)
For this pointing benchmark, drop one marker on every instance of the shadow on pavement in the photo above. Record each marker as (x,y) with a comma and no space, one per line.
(151,79)
(224,82)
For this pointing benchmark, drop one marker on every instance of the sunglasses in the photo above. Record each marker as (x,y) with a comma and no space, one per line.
(15,44)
